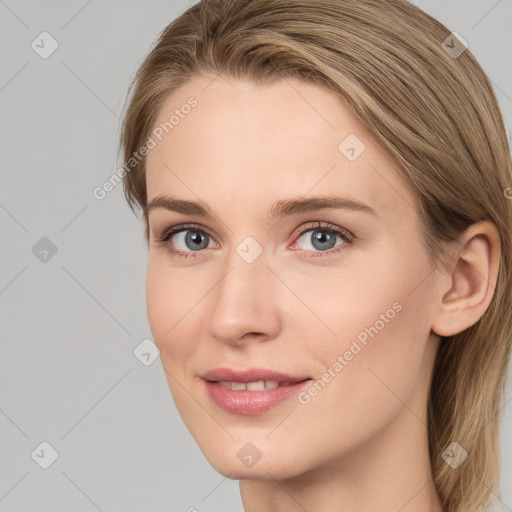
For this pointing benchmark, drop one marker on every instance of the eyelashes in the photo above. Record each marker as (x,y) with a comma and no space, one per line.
(164,239)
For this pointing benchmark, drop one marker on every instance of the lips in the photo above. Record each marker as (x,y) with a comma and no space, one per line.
(251,391)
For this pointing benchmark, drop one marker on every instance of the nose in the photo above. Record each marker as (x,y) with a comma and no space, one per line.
(244,306)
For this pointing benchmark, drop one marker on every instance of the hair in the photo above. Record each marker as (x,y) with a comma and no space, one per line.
(436,115)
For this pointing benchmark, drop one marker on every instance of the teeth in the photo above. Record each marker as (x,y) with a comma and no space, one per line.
(259,385)
(256,386)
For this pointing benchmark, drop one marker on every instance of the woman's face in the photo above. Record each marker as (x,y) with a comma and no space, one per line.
(270,281)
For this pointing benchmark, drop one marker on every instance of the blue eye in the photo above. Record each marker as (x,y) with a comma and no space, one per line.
(324,239)
(194,239)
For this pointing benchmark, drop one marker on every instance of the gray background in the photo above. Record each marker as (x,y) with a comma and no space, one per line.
(69,325)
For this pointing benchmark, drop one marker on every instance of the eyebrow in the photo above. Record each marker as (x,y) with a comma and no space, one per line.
(282,208)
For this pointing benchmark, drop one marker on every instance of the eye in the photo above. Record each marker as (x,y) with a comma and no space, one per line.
(186,238)
(322,239)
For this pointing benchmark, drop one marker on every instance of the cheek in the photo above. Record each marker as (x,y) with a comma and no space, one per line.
(159,301)
(170,304)
(360,298)
(378,355)
(367,388)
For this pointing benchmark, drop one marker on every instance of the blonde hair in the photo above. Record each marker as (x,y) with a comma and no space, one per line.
(436,114)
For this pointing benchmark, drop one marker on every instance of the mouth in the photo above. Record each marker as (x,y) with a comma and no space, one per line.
(251,391)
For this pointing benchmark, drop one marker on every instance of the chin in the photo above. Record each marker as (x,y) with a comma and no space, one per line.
(238,465)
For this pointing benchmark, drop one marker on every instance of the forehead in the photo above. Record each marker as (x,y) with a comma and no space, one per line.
(257,144)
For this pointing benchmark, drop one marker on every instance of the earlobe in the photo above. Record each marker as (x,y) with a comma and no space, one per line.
(471,283)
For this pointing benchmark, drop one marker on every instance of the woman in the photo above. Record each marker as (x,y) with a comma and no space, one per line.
(325,187)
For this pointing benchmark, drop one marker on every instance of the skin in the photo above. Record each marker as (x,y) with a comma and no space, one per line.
(360,444)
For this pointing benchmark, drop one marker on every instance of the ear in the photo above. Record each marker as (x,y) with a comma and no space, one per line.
(466,290)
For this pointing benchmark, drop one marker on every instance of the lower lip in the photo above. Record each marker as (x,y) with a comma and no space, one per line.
(251,402)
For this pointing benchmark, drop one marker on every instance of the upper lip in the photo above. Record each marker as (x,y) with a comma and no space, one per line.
(250,375)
